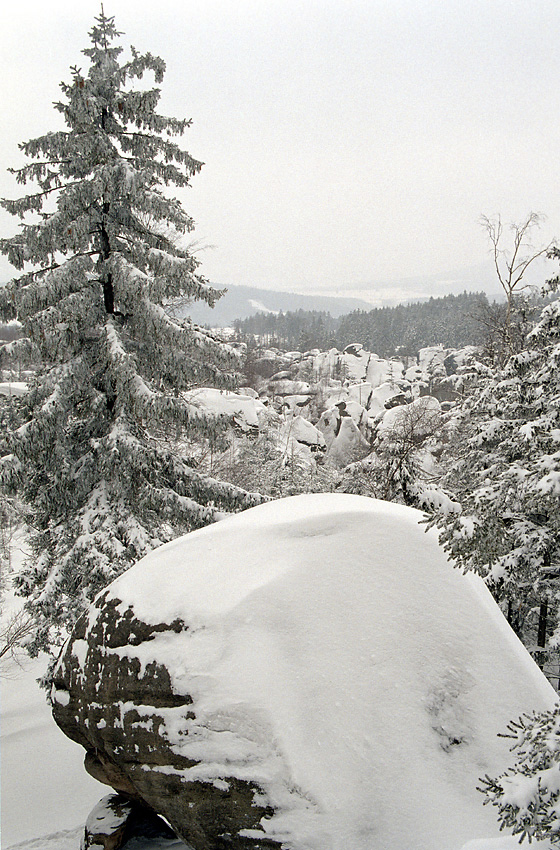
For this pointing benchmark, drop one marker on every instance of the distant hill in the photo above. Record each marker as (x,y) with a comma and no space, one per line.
(239,302)
(479,278)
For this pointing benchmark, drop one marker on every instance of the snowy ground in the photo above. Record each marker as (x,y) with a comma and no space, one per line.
(46,794)
(69,839)
(13,388)
(44,786)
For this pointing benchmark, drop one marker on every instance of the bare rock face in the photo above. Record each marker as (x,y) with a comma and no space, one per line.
(116,710)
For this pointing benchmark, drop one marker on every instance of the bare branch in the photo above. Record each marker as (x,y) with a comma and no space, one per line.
(13,635)
(512,263)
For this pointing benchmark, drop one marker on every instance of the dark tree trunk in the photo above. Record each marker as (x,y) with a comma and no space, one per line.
(107,280)
(108,295)
(543,614)
(540,657)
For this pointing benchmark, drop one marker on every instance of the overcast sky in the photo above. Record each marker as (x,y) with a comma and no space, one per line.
(346,142)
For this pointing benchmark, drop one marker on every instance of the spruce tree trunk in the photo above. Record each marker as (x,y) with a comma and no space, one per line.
(541,634)
(108,295)
(107,279)
(543,613)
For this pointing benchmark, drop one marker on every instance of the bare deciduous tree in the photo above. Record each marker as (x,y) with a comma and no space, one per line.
(511,263)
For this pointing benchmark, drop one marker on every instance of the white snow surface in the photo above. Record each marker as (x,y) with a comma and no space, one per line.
(338,659)
(45,789)
(44,784)
(69,839)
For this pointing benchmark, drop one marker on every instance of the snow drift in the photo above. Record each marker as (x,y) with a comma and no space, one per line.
(336,662)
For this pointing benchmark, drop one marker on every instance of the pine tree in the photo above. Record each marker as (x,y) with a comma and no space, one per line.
(527,795)
(101,259)
(505,483)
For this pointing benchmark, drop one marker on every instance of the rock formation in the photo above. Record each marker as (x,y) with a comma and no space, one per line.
(116,819)
(118,711)
(311,673)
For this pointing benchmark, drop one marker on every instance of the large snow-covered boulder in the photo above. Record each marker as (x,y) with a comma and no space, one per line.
(287,387)
(325,363)
(379,371)
(312,672)
(300,430)
(432,361)
(242,408)
(383,397)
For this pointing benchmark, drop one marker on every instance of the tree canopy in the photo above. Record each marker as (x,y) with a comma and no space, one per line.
(506,480)
(101,251)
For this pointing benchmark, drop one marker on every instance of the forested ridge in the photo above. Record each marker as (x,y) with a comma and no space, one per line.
(452,320)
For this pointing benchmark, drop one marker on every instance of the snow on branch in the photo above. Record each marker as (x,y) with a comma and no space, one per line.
(527,795)
(59,283)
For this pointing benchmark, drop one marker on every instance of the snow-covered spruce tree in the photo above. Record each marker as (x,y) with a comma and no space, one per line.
(100,260)
(504,520)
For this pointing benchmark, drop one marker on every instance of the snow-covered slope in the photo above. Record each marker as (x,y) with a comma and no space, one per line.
(44,787)
(336,658)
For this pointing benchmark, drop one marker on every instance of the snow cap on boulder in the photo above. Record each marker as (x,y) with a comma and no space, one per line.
(311,673)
